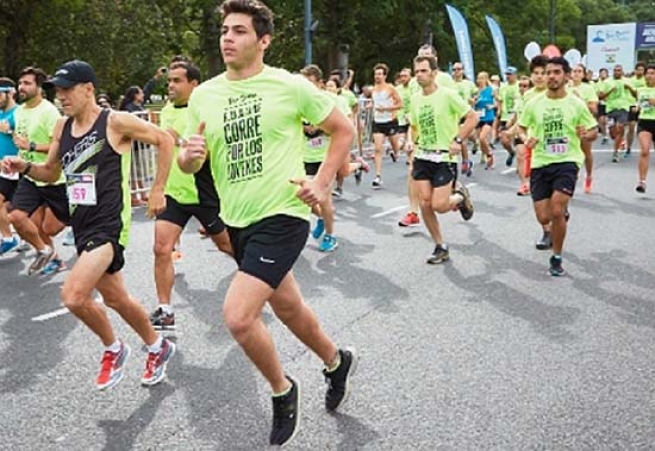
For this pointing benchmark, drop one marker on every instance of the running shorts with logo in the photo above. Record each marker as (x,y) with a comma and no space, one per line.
(439,174)
(179,214)
(554,177)
(390,128)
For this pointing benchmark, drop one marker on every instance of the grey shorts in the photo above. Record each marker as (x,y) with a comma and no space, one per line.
(618,117)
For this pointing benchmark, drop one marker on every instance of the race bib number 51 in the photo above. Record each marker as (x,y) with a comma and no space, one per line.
(81,189)
(557,146)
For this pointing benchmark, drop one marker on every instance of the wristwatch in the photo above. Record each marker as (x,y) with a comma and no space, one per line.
(32,146)
(458,140)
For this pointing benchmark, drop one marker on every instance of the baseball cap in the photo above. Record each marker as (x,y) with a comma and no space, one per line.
(511,70)
(70,74)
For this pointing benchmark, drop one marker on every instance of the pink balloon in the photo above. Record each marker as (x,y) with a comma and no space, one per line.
(551,51)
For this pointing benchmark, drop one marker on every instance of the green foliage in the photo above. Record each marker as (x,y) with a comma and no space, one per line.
(126,40)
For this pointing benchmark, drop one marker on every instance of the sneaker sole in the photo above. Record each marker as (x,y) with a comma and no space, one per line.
(437,262)
(115,382)
(351,373)
(172,328)
(327,251)
(409,225)
(164,366)
(556,274)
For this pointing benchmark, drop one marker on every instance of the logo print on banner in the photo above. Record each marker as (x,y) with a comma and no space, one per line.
(645,35)
(243,137)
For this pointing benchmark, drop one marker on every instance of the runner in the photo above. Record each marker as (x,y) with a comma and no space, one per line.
(587,93)
(40,210)
(386,104)
(467,90)
(553,125)
(614,92)
(405,92)
(646,129)
(92,146)
(511,134)
(603,74)
(485,107)
(256,146)
(507,97)
(186,196)
(636,81)
(435,119)
(8,182)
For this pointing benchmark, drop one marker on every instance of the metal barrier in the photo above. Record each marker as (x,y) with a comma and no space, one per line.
(144,163)
(365,126)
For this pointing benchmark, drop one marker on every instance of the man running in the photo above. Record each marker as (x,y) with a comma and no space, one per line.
(587,93)
(508,97)
(435,119)
(616,92)
(8,182)
(646,126)
(92,146)
(256,146)
(40,210)
(386,104)
(638,80)
(553,125)
(186,196)
(467,91)
(603,74)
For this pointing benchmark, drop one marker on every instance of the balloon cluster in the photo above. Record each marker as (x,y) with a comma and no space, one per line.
(573,56)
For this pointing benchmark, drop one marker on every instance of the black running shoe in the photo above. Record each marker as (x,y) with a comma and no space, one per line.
(339,379)
(439,255)
(641,187)
(546,242)
(161,320)
(465,206)
(358,177)
(285,416)
(556,269)
(510,159)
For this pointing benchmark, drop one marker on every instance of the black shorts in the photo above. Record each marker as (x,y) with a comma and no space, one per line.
(386,128)
(646,125)
(179,214)
(502,126)
(311,169)
(29,197)
(8,188)
(268,249)
(602,110)
(618,117)
(554,177)
(483,123)
(518,141)
(90,242)
(439,174)
(402,129)
(633,115)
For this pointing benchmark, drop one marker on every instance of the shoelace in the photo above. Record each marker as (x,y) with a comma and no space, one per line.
(107,362)
(153,359)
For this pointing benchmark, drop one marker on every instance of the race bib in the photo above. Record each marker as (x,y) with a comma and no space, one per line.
(610,121)
(557,146)
(316,143)
(9,176)
(434,156)
(81,189)
(480,113)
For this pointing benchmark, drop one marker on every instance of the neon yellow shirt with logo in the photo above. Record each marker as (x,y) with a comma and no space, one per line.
(317,147)
(37,125)
(255,140)
(436,117)
(583,91)
(180,186)
(466,89)
(646,110)
(405,93)
(350,97)
(553,123)
(636,83)
(508,95)
(620,98)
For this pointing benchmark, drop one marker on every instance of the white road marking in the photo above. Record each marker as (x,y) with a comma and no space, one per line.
(47,316)
(388,212)
(508,171)
(471,185)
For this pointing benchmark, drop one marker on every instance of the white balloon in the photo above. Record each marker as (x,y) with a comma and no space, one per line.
(584,60)
(573,56)
(531,50)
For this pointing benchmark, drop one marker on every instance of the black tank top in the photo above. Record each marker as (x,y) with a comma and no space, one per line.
(91,153)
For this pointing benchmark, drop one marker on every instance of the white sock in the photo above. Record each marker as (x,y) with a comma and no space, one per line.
(166,308)
(115,347)
(7,240)
(46,250)
(155,348)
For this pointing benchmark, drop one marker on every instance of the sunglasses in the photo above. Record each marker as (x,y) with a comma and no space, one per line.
(523,85)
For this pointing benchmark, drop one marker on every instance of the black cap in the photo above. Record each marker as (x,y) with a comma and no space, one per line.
(70,74)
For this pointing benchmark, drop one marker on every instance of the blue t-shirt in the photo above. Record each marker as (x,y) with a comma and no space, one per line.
(484,105)
(7,146)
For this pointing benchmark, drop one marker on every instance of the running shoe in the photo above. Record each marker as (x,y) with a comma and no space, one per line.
(286,417)
(156,362)
(546,242)
(328,244)
(556,269)
(490,162)
(111,367)
(466,205)
(615,157)
(510,159)
(439,255)
(69,238)
(318,229)
(338,380)
(641,187)
(9,245)
(54,266)
(409,220)
(377,182)
(161,320)
(524,190)
(587,185)
(40,261)
(465,166)
(337,191)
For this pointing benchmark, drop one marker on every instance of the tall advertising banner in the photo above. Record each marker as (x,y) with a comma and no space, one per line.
(646,43)
(463,40)
(611,44)
(499,44)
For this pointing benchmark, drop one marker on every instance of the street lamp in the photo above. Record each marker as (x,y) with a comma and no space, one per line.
(551,22)
(308,32)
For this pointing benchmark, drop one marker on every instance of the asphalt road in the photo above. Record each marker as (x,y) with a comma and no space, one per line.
(485,352)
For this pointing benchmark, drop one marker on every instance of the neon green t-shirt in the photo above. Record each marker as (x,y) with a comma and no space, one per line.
(317,146)
(466,89)
(255,140)
(620,98)
(37,125)
(553,123)
(508,95)
(646,110)
(180,186)
(350,97)
(636,83)
(405,93)
(436,117)
(584,91)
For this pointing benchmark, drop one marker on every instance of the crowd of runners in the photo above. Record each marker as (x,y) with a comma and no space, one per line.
(255,152)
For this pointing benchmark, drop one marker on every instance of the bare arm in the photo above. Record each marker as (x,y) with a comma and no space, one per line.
(470,122)
(50,171)
(342,135)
